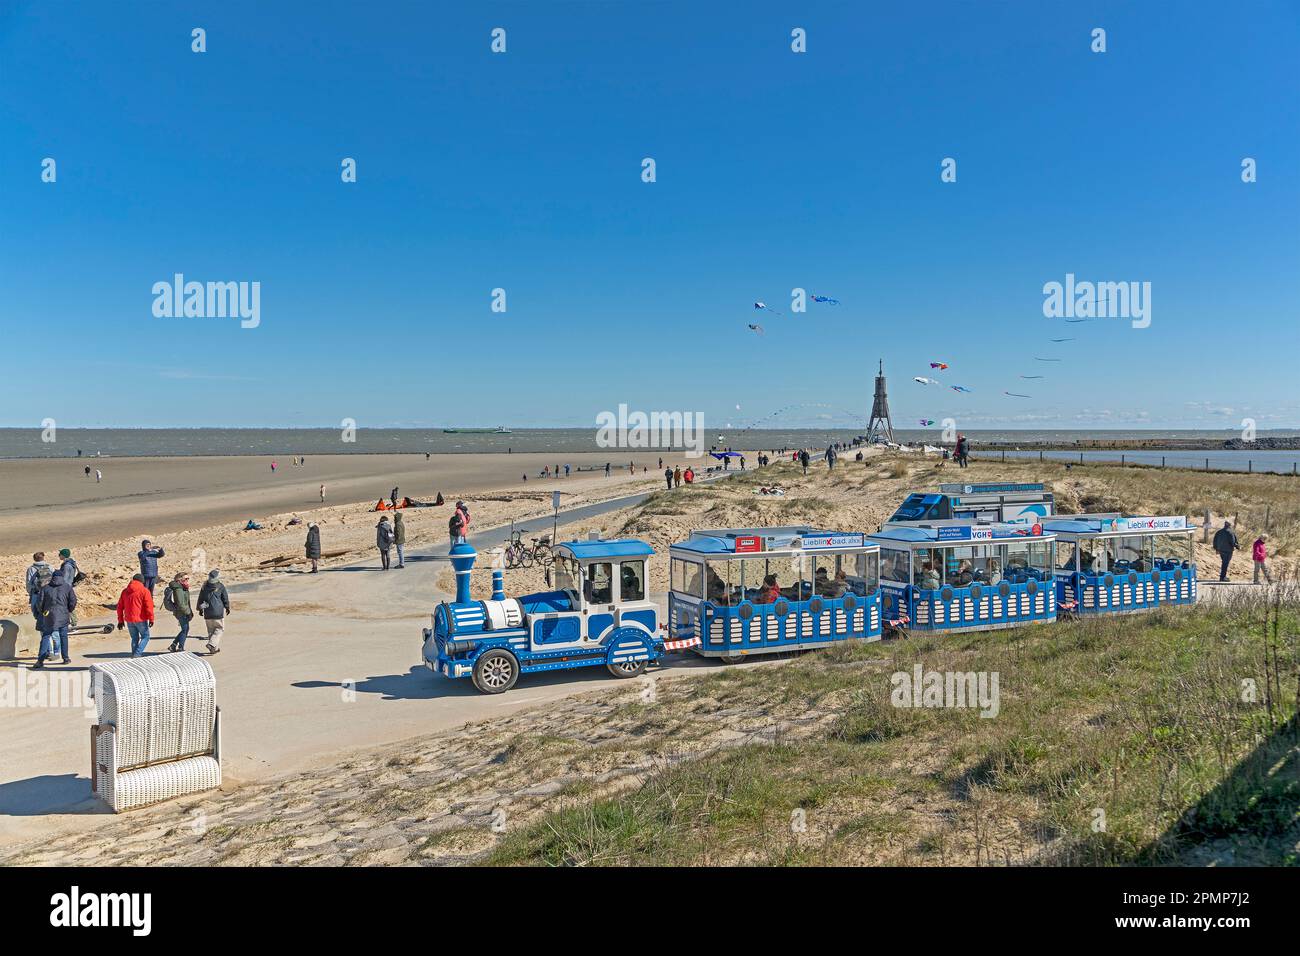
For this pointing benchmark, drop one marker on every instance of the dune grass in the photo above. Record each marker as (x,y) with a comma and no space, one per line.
(1124,740)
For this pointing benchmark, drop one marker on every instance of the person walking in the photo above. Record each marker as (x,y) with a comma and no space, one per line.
(87,471)
(68,568)
(392,496)
(1259,553)
(312,546)
(606,469)
(668,477)
(464,517)
(149,556)
(677,477)
(1225,542)
(99,476)
(38,575)
(804,459)
(322,494)
(456,527)
(135,613)
(58,601)
(177,600)
(399,539)
(214,605)
(384,540)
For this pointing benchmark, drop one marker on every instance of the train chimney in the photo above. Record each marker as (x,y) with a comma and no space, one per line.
(462,559)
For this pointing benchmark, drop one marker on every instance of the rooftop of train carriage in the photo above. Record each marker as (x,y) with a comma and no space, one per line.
(1117,524)
(727,541)
(957,533)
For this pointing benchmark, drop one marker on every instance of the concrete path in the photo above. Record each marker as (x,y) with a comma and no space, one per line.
(294,644)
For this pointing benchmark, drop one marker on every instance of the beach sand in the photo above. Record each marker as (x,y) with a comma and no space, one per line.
(196,508)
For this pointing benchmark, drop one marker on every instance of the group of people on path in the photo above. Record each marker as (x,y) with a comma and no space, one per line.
(1226,544)
(52,596)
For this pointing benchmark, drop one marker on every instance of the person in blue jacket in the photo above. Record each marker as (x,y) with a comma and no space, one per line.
(58,601)
(149,563)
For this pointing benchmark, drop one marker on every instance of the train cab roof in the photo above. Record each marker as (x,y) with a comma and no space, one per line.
(788,539)
(1102,525)
(600,549)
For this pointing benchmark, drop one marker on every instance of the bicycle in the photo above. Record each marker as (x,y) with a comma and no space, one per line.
(518,555)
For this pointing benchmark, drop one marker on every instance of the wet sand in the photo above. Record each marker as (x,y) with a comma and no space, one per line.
(48,503)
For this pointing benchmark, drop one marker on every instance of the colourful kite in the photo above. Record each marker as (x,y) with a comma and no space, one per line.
(1073,321)
(925,422)
(939,365)
(959,388)
(1031,376)
(759,330)
(825,298)
(925,381)
(1062,340)
(1039,358)
(765,307)
(1017,395)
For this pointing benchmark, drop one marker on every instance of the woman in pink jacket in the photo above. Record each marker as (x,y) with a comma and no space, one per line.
(1260,554)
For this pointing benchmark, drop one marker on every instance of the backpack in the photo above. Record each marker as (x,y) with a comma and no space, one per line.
(43,574)
(169,599)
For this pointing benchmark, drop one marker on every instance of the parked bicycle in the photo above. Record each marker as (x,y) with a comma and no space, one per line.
(520,555)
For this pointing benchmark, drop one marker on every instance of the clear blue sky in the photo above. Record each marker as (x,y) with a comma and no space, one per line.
(522,171)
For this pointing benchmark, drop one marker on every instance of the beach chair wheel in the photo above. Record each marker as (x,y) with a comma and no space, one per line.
(495,672)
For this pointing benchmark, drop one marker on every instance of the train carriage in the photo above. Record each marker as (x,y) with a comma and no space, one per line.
(743,591)
(1116,564)
(957,575)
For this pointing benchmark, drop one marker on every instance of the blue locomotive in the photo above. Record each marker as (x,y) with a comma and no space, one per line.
(598,613)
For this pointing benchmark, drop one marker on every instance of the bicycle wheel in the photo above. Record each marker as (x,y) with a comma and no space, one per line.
(525,558)
(543,554)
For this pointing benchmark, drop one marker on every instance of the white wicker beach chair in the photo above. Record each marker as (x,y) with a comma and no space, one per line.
(159,730)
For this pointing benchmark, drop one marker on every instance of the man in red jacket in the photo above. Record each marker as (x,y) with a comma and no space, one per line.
(135,608)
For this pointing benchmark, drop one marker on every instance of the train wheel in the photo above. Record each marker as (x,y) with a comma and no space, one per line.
(627,668)
(495,672)
(732,658)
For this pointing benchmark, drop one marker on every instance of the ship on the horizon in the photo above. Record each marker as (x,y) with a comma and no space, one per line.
(499,430)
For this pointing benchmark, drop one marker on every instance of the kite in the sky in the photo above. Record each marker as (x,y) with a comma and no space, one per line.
(759,330)
(825,298)
(959,388)
(939,365)
(1073,321)
(1039,358)
(927,422)
(1031,376)
(1017,395)
(1062,340)
(765,307)
(925,381)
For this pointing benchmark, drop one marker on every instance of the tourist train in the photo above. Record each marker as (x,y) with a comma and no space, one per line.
(741,592)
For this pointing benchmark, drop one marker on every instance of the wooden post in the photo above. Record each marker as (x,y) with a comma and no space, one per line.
(1205,528)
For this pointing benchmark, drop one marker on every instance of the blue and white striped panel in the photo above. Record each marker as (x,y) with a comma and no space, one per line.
(630,651)
(468,617)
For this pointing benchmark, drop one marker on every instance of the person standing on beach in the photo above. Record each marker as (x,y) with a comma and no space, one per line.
(606,469)
(803,460)
(322,494)
(135,612)
(38,575)
(58,601)
(677,477)
(99,476)
(149,556)
(177,600)
(566,469)
(214,605)
(399,539)
(456,526)
(1225,542)
(1259,553)
(392,496)
(313,546)
(68,568)
(87,471)
(668,476)
(383,541)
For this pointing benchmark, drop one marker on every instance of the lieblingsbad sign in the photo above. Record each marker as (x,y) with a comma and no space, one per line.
(1159,523)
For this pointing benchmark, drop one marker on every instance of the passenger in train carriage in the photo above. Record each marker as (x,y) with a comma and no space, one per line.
(718,593)
(769,592)
(928,580)
(963,576)
(1089,562)
(834,587)
(994,572)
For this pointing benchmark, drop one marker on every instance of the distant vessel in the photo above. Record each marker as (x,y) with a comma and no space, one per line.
(499,430)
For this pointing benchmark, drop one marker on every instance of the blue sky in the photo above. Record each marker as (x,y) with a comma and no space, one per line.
(522,171)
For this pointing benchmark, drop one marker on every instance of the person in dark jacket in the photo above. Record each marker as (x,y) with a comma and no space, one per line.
(1225,542)
(384,540)
(71,573)
(399,539)
(668,476)
(313,546)
(214,605)
(58,601)
(149,556)
(177,600)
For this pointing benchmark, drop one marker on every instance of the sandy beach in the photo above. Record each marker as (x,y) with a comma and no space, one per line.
(184,504)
